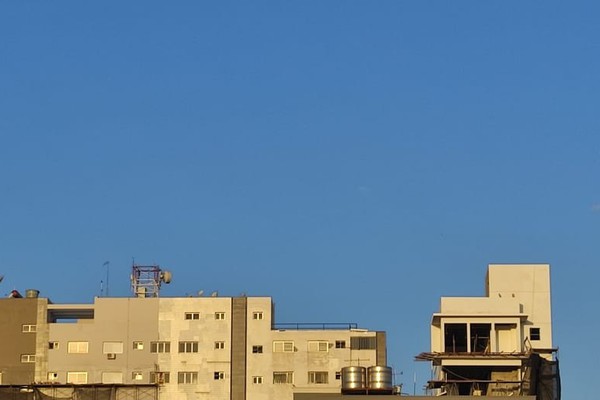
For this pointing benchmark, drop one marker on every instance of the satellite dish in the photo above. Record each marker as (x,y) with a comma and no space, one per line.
(214,294)
(166,276)
(200,293)
(1,278)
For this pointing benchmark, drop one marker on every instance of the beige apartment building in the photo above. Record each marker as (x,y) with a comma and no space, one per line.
(499,344)
(175,348)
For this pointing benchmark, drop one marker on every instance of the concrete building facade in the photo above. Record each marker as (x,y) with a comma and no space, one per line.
(189,347)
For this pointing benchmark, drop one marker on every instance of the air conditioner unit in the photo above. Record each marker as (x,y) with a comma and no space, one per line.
(111,356)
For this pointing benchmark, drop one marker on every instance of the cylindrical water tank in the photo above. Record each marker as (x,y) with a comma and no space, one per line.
(380,378)
(32,293)
(354,379)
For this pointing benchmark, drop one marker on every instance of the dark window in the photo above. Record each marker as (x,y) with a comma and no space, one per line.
(340,344)
(257,349)
(188,347)
(480,338)
(455,338)
(534,334)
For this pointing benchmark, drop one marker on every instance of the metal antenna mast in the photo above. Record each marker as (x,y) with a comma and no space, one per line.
(107,265)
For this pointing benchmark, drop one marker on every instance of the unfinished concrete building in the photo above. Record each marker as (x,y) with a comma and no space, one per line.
(500,344)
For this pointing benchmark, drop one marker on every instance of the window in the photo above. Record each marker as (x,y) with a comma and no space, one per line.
(338,375)
(257,380)
(29,328)
(188,347)
(112,377)
(283,377)
(112,347)
(219,315)
(219,375)
(219,345)
(138,345)
(192,315)
(160,377)
(455,338)
(257,349)
(53,345)
(340,344)
(77,348)
(52,376)
(534,334)
(77,378)
(318,345)
(27,358)
(160,347)
(187,377)
(137,375)
(318,377)
(281,346)
(480,338)
(363,343)
(257,315)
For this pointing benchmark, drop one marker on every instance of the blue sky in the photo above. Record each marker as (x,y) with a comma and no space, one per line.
(356,160)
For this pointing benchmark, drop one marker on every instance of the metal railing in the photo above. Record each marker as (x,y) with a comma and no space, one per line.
(316,326)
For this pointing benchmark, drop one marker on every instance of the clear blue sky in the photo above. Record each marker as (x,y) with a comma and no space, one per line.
(356,160)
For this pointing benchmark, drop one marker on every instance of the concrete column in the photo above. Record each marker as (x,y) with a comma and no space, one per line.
(239,335)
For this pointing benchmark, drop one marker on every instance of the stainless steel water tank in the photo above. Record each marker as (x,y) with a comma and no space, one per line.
(380,378)
(32,293)
(354,379)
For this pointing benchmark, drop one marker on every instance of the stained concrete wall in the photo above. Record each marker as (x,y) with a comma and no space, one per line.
(14,313)
(121,320)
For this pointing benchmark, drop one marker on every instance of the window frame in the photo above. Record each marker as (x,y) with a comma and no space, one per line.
(287,375)
(219,375)
(535,333)
(78,347)
(112,347)
(187,346)
(192,316)
(257,380)
(160,346)
(77,373)
(317,346)
(257,315)
(318,377)
(28,358)
(160,377)
(283,346)
(187,377)
(220,315)
(29,328)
